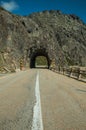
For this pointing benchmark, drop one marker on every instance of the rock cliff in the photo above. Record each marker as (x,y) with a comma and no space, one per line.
(57,36)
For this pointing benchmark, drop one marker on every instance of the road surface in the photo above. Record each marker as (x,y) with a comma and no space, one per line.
(39,99)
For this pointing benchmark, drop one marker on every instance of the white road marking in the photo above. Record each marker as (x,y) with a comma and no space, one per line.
(37,123)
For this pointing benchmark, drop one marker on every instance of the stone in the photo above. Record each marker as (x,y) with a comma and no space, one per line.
(49,33)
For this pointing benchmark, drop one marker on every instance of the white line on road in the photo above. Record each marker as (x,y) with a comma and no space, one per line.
(37,123)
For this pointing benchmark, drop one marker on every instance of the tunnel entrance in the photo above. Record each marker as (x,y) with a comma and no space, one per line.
(39,59)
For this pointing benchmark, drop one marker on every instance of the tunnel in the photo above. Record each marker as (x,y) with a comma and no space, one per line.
(37,53)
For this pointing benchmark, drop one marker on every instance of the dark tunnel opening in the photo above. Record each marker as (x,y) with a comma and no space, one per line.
(38,54)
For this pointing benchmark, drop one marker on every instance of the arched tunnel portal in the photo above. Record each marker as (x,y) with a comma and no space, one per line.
(35,54)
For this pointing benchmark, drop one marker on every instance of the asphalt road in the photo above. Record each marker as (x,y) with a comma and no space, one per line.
(39,99)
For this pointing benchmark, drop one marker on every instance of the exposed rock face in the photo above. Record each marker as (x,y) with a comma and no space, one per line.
(52,34)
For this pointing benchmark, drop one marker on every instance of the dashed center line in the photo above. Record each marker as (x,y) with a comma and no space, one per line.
(37,123)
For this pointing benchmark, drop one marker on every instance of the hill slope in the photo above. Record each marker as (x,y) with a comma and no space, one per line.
(63,36)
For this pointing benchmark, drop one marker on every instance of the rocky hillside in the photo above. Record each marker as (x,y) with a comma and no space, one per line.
(63,36)
(13,35)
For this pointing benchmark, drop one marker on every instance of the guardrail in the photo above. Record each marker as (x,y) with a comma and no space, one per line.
(78,73)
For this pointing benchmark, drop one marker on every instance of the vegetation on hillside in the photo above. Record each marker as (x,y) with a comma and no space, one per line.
(41,60)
